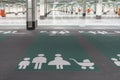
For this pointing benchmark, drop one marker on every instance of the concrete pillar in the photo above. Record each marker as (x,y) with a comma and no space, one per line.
(71,8)
(31,14)
(116,7)
(46,13)
(3,12)
(84,8)
(95,6)
(43,9)
(8,8)
(66,10)
(11,8)
(23,9)
(99,9)
(76,10)
(16,9)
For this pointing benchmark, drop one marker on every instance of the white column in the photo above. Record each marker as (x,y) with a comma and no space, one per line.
(72,9)
(66,10)
(46,8)
(31,14)
(23,8)
(116,6)
(76,10)
(11,8)
(16,9)
(8,8)
(95,6)
(43,9)
(84,8)
(99,9)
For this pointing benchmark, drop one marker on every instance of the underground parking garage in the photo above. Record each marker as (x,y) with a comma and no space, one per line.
(59,39)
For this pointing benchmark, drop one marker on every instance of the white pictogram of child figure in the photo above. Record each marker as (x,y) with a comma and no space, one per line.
(59,62)
(39,61)
(23,64)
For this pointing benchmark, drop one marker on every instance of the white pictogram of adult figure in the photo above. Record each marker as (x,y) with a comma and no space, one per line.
(59,62)
(23,64)
(39,61)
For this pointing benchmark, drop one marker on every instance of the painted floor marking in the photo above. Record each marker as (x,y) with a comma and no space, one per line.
(85,64)
(58,61)
(43,32)
(102,32)
(99,32)
(24,64)
(8,32)
(81,31)
(116,60)
(52,33)
(117,32)
(38,61)
(63,32)
(92,32)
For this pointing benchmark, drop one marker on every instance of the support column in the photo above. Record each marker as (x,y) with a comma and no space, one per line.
(71,8)
(8,7)
(23,9)
(84,8)
(95,6)
(76,10)
(66,9)
(31,14)
(116,7)
(11,8)
(16,9)
(43,9)
(99,9)
(46,13)
(3,11)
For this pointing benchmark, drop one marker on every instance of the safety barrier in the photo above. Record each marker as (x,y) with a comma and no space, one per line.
(79,10)
(2,13)
(88,10)
(118,11)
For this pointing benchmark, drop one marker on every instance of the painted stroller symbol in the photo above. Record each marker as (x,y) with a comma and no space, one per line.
(86,63)
(116,61)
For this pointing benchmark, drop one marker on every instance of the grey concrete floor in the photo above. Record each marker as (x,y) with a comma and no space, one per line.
(13,47)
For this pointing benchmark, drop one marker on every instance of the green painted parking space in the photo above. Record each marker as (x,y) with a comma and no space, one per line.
(56,53)
(109,45)
(2,37)
(5,33)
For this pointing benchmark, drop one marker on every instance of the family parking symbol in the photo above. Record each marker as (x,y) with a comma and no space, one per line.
(23,64)
(39,61)
(116,60)
(58,61)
